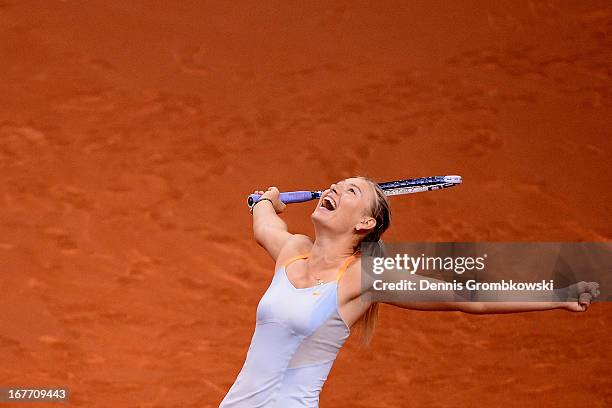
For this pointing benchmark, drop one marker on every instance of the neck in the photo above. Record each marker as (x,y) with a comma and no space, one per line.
(328,251)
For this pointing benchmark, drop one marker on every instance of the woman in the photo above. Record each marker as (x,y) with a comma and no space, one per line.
(316,295)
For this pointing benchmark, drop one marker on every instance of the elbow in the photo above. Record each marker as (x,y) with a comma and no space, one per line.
(259,232)
(258,235)
(475,308)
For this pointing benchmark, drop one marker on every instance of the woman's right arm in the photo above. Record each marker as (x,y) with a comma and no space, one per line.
(269,229)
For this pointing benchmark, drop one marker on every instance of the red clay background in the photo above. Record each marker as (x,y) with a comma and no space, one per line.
(131,133)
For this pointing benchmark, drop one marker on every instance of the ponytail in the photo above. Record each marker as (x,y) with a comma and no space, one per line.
(381,212)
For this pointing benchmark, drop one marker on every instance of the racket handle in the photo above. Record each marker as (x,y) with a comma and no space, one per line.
(287,198)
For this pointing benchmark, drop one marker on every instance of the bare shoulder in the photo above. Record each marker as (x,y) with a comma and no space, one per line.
(353,287)
(298,244)
(359,280)
(352,276)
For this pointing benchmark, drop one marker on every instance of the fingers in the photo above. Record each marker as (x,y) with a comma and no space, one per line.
(273,194)
(261,192)
(592,288)
(580,288)
(585,300)
(587,291)
(272,189)
(574,307)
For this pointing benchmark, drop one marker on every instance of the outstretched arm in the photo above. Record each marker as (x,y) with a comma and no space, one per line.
(575,298)
(494,307)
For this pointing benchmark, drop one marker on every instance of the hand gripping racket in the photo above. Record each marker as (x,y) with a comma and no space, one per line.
(390,188)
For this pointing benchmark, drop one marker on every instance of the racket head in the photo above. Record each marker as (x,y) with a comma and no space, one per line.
(410,186)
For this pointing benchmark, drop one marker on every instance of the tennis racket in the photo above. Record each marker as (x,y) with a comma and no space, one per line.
(390,188)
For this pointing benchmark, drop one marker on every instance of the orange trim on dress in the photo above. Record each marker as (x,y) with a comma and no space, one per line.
(341,271)
(344,267)
(295,258)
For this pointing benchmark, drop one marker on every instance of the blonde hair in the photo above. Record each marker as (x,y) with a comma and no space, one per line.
(380,210)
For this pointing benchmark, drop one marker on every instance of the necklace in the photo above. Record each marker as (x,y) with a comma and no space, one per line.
(319,284)
(320,281)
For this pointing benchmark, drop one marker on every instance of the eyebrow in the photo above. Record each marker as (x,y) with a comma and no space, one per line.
(351,184)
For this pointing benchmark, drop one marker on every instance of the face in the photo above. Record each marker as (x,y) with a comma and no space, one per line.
(346,206)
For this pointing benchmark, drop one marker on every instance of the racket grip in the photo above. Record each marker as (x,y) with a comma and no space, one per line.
(287,198)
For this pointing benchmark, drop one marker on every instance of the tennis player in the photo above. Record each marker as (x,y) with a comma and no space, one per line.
(316,296)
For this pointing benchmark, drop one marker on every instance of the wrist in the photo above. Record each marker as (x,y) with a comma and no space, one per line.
(262,199)
(267,195)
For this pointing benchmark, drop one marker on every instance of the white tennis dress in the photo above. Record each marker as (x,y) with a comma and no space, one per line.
(297,336)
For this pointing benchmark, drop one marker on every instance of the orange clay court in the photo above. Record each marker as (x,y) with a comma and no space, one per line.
(131,133)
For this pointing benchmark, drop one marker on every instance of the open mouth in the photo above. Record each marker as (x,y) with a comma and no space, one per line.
(328,203)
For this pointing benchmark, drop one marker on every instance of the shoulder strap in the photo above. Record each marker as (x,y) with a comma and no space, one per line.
(295,258)
(344,266)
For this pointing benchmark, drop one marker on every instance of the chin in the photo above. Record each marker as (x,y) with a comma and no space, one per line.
(315,215)
(319,215)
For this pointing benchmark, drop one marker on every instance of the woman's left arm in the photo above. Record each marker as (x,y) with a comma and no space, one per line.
(493,307)
(575,298)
